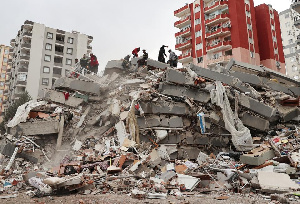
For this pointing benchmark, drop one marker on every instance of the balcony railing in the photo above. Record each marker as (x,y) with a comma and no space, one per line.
(27,34)
(26,45)
(217,19)
(60,31)
(12,42)
(187,57)
(221,59)
(215,5)
(184,45)
(219,46)
(183,33)
(89,47)
(218,32)
(59,42)
(59,53)
(182,11)
(183,22)
(58,64)
(24,57)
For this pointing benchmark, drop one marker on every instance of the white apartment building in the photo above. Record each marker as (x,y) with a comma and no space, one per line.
(40,55)
(289,34)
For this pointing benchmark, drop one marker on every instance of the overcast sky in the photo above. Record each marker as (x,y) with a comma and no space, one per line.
(117,26)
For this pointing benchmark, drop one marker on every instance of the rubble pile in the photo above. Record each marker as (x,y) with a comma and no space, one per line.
(155,131)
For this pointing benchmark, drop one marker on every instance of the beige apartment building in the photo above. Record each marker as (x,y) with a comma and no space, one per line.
(41,54)
(5,67)
(291,49)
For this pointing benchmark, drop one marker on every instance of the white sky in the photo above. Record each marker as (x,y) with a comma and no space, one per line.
(117,26)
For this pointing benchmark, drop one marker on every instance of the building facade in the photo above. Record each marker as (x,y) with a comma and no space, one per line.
(40,55)
(215,31)
(5,67)
(290,33)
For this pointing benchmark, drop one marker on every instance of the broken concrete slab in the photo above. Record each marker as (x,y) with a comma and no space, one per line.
(164,107)
(288,113)
(160,121)
(178,77)
(36,128)
(78,85)
(113,66)
(59,97)
(180,91)
(272,182)
(255,122)
(258,156)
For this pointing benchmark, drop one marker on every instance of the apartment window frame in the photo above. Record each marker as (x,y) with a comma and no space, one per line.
(46,72)
(6,51)
(49,58)
(252,54)
(45,81)
(68,60)
(70,53)
(5,59)
(49,35)
(48,44)
(70,40)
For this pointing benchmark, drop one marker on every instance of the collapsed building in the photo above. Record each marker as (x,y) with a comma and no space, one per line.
(155,131)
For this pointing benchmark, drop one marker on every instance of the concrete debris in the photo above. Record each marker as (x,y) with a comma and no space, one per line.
(153,131)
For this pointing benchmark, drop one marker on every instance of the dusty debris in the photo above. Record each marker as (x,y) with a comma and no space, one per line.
(154,132)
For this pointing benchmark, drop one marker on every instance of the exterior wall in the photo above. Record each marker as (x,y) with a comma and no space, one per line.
(31,46)
(5,67)
(269,27)
(289,35)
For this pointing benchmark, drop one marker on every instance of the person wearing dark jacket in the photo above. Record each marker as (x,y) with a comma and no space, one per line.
(143,61)
(162,54)
(94,63)
(84,61)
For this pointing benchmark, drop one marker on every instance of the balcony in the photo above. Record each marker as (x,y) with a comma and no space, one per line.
(60,32)
(58,64)
(222,59)
(184,22)
(215,5)
(21,83)
(59,53)
(89,47)
(219,32)
(11,50)
(220,46)
(183,46)
(183,33)
(217,19)
(22,70)
(25,46)
(185,58)
(27,34)
(296,5)
(59,42)
(182,11)
(12,42)
(24,58)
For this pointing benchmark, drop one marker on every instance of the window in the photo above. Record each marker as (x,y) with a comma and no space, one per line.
(6,52)
(48,46)
(252,54)
(199,46)
(197,21)
(47,58)
(287,15)
(70,40)
(292,50)
(294,68)
(50,35)
(3,76)
(4,68)
(200,59)
(22,76)
(197,9)
(251,40)
(57,71)
(198,34)
(68,61)
(1,83)
(249,26)
(46,69)
(248,13)
(70,51)
(5,59)
(1,92)
(45,81)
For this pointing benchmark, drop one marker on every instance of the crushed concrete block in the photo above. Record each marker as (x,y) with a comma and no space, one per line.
(272,182)
(257,156)
(189,182)
(175,122)
(36,128)
(179,91)
(59,97)
(178,77)
(190,153)
(255,122)
(113,66)
(288,113)
(164,107)
(78,85)
(167,175)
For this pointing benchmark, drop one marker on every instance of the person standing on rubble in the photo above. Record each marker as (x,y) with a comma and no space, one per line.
(84,62)
(162,54)
(94,63)
(135,52)
(143,61)
(173,59)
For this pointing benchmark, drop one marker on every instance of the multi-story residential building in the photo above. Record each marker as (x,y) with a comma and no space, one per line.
(5,67)
(289,34)
(269,38)
(41,54)
(215,31)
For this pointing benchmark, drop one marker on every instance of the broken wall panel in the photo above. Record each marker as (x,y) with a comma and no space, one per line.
(36,128)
